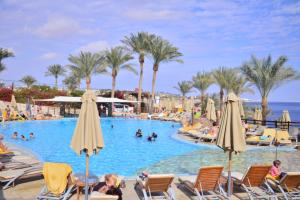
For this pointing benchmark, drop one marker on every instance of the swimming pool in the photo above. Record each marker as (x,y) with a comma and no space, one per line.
(124,153)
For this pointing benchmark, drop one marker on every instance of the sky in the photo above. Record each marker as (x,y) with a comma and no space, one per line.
(209,33)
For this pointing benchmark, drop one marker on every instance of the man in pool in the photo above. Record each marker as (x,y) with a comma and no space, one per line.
(139,133)
(23,138)
(154,135)
(31,136)
(15,135)
(111,186)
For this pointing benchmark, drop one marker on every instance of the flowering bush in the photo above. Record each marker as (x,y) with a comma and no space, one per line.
(5,94)
(35,92)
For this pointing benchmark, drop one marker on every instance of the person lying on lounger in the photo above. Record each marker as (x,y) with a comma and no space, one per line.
(111,186)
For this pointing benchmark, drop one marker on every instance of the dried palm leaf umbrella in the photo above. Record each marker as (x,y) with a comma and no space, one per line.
(87,137)
(211,110)
(13,102)
(285,119)
(241,107)
(231,137)
(254,117)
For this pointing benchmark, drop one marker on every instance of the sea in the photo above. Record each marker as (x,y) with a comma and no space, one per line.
(276,109)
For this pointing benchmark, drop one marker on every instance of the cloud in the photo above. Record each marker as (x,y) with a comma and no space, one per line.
(149,14)
(58,27)
(49,56)
(95,46)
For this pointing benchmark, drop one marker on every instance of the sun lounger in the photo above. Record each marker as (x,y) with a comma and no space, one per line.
(289,185)
(256,131)
(157,183)
(58,183)
(254,182)
(266,139)
(293,132)
(209,137)
(283,137)
(10,176)
(206,184)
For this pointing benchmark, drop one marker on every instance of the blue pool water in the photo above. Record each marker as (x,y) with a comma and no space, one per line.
(127,155)
(123,152)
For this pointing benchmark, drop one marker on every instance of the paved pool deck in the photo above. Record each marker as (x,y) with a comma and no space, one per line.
(30,189)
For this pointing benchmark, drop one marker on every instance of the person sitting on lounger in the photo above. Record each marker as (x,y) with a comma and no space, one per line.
(31,135)
(139,133)
(15,135)
(111,186)
(23,138)
(275,171)
(214,130)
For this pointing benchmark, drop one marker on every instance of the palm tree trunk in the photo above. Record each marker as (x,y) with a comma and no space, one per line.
(55,82)
(264,107)
(88,82)
(140,84)
(183,101)
(202,102)
(221,100)
(153,90)
(113,86)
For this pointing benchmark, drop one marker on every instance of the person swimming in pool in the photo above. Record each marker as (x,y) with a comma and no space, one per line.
(112,126)
(15,135)
(139,133)
(31,135)
(154,135)
(23,138)
(150,138)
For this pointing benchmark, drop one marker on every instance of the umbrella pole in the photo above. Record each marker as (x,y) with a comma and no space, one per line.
(229,175)
(86,188)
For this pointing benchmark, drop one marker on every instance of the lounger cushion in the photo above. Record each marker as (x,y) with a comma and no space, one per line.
(100,196)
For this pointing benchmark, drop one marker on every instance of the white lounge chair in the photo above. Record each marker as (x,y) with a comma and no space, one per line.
(289,185)
(10,176)
(54,172)
(253,182)
(157,183)
(206,184)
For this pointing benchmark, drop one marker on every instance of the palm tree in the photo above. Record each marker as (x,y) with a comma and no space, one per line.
(267,76)
(221,75)
(139,44)
(161,51)
(86,64)
(238,84)
(116,59)
(28,81)
(184,88)
(71,83)
(201,82)
(55,70)
(4,53)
